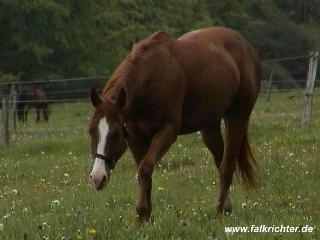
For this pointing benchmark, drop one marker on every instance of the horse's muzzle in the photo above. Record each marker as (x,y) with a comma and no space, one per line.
(98,183)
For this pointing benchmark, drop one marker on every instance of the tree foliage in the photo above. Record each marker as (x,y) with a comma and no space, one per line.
(42,39)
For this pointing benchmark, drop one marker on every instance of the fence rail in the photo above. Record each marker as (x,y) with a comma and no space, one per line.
(55,80)
(276,80)
(285,59)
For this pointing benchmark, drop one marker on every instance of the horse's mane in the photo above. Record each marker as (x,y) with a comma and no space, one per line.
(115,77)
(128,68)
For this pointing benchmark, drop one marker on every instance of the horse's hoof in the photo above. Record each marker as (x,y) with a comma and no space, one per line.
(227,208)
(212,215)
(218,213)
(215,214)
(142,220)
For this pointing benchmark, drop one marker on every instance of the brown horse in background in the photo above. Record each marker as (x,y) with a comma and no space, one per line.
(32,97)
(166,87)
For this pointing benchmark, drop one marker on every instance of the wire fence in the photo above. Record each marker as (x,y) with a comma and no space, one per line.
(285,79)
(54,96)
(287,76)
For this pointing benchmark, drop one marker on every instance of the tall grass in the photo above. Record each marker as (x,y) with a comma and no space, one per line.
(44,190)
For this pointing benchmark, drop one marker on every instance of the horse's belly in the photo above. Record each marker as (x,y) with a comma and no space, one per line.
(198,120)
(189,127)
(203,106)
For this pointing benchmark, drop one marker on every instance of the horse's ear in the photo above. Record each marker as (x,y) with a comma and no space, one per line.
(95,98)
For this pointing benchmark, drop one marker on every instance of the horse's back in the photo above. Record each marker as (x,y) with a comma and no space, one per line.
(227,43)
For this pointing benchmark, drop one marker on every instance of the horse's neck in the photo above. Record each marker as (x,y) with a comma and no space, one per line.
(111,89)
(114,80)
(123,78)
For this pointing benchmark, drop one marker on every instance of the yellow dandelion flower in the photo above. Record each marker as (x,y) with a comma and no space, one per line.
(79,237)
(91,231)
(79,234)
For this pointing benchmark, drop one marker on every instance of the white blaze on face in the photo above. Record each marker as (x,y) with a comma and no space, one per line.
(103,129)
(99,168)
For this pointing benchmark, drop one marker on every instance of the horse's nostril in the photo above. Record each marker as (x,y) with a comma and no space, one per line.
(104,179)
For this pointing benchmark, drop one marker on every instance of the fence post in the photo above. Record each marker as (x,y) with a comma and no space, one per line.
(308,95)
(269,86)
(12,105)
(14,109)
(5,120)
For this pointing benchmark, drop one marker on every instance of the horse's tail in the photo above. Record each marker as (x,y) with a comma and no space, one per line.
(246,163)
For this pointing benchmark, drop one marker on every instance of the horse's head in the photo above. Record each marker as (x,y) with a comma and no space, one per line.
(108,141)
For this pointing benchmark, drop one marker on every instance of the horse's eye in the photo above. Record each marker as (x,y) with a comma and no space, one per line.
(125,132)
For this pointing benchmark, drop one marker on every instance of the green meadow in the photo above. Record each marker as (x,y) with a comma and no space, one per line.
(45,194)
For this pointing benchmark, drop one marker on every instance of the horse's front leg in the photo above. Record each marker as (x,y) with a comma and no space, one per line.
(160,143)
(26,114)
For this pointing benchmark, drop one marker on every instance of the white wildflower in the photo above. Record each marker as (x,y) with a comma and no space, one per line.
(55,203)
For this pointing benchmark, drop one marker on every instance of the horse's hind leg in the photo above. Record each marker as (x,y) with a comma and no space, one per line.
(25,115)
(213,139)
(45,113)
(38,115)
(235,131)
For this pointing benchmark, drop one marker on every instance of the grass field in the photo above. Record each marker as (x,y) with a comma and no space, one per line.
(44,190)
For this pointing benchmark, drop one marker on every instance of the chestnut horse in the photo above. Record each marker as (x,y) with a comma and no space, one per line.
(168,86)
